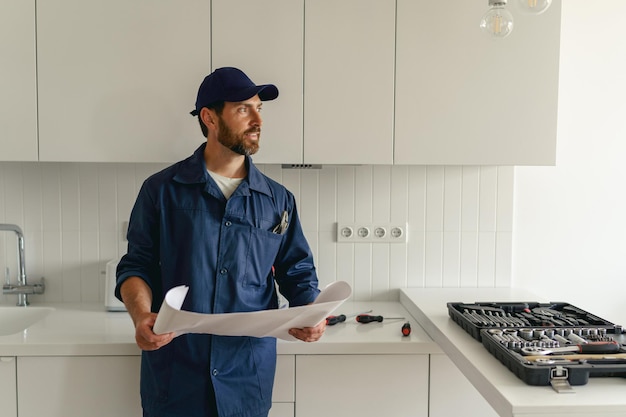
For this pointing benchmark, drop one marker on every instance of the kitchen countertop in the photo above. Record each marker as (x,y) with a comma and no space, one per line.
(89,330)
(507,394)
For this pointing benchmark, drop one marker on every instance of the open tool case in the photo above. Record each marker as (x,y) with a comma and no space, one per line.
(553,343)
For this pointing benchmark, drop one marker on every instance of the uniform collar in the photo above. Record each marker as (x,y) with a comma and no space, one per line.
(193,171)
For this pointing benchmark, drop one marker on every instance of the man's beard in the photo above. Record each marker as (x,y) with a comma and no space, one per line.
(237,143)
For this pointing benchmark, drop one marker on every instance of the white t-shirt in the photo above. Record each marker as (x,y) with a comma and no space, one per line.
(226,185)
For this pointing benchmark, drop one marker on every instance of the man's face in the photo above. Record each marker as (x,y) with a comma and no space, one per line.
(240,126)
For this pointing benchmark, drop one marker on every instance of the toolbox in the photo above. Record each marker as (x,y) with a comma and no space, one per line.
(552,343)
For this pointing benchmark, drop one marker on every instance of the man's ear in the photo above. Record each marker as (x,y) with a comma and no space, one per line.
(208,117)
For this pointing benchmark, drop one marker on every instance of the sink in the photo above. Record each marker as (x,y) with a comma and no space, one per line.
(16,319)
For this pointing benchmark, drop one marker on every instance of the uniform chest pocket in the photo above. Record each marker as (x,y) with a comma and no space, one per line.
(263,247)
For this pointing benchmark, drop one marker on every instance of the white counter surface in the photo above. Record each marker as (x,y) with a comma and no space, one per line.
(85,330)
(508,395)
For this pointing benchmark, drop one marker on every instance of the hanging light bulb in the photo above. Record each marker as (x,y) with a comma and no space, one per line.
(498,21)
(534,6)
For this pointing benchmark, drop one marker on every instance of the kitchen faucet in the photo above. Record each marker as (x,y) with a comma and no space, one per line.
(22,289)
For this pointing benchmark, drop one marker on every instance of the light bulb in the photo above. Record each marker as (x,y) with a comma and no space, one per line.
(534,6)
(498,21)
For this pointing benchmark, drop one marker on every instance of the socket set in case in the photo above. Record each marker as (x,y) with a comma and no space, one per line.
(554,343)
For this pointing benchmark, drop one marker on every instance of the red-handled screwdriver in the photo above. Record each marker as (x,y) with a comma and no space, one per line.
(366,318)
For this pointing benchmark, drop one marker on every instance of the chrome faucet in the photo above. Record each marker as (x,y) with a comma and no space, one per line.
(22,289)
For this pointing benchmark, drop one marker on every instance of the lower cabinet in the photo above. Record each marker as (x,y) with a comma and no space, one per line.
(78,386)
(362,385)
(8,387)
(446,382)
(409,385)
(98,386)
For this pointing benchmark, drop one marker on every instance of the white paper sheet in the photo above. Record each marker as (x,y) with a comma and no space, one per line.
(264,323)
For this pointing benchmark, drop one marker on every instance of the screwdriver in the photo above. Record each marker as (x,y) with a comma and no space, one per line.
(366,318)
(332,320)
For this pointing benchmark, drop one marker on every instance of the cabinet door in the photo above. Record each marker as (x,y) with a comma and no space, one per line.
(462,98)
(118,78)
(349,81)
(79,386)
(362,385)
(284,382)
(8,388)
(18,100)
(264,38)
(445,378)
(283,396)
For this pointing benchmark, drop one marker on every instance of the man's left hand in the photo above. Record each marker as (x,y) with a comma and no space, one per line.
(309,334)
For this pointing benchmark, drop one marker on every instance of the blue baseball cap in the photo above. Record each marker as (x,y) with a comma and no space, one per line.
(230,84)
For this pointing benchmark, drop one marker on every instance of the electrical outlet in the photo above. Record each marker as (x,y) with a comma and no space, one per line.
(372,232)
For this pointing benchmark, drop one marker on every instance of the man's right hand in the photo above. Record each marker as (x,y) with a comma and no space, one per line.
(137,298)
(144,335)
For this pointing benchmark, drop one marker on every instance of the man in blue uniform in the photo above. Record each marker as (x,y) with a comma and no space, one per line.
(214,222)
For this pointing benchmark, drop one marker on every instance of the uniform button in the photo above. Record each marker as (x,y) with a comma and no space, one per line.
(215,372)
(228,223)
(223,271)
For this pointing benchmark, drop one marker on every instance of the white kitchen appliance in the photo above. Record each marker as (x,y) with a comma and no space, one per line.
(111,303)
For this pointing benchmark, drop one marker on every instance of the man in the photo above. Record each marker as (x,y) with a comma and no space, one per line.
(214,222)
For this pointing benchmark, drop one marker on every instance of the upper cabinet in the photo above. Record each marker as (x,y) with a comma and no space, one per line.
(349,81)
(360,81)
(264,38)
(18,84)
(118,78)
(463,98)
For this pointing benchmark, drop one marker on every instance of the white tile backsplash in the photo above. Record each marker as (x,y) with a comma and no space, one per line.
(460,223)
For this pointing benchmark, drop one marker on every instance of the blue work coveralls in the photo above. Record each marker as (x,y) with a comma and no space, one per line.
(183,231)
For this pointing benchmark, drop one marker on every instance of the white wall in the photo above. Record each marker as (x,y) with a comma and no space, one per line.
(460,223)
(570,220)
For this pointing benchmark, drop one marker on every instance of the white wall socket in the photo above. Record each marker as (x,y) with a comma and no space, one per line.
(372,232)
